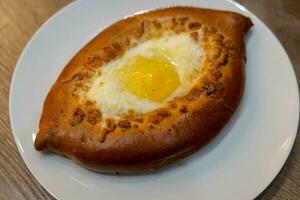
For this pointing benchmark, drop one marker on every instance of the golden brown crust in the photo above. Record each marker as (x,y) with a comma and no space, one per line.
(72,127)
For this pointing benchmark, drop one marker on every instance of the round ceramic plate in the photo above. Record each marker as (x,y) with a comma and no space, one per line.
(238,164)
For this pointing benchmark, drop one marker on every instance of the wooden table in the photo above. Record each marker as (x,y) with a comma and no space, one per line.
(19,19)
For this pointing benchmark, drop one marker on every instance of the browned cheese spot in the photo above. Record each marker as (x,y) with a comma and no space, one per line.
(156,24)
(217,75)
(194,94)
(211,88)
(135,126)
(183,109)
(82,86)
(220,87)
(53,129)
(140,30)
(182,20)
(194,35)
(195,25)
(176,27)
(117,47)
(212,30)
(112,51)
(231,49)
(93,61)
(85,75)
(159,116)
(89,103)
(174,23)
(110,125)
(78,116)
(219,37)
(229,45)
(124,124)
(79,76)
(79,84)
(94,116)
(127,41)
(82,138)
(223,60)
(102,136)
(173,105)
(215,53)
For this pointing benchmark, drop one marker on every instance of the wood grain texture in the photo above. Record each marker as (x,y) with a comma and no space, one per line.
(19,19)
(283,18)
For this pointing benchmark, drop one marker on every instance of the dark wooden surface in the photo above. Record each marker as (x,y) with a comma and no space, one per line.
(19,19)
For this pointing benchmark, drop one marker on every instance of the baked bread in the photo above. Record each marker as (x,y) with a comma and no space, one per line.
(153,112)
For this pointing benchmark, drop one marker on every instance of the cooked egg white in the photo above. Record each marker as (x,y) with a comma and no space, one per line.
(147,76)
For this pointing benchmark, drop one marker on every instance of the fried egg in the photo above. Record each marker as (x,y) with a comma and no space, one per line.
(147,76)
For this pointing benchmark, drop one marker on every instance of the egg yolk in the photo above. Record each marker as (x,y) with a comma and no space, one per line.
(153,79)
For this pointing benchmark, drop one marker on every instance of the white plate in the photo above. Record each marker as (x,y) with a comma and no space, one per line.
(238,164)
